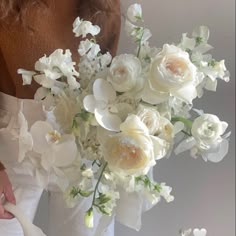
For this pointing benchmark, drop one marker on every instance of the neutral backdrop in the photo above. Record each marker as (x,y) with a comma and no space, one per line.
(204,192)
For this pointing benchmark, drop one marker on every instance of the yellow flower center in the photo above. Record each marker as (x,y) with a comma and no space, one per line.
(176,66)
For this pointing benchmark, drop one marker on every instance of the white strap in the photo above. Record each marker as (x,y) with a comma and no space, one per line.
(28,227)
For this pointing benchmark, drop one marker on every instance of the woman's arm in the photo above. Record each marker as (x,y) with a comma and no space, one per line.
(6,192)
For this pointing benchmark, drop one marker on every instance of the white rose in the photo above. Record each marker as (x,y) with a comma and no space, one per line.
(125,72)
(207,129)
(133,151)
(150,117)
(171,74)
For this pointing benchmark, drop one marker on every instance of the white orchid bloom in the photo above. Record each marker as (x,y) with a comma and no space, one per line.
(56,150)
(25,138)
(101,103)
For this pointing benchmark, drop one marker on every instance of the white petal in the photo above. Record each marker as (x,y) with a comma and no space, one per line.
(153,97)
(218,156)
(44,81)
(89,103)
(133,123)
(27,76)
(107,120)
(65,152)
(160,147)
(47,159)
(187,93)
(224,126)
(103,90)
(178,127)
(73,84)
(39,131)
(185,145)
(41,93)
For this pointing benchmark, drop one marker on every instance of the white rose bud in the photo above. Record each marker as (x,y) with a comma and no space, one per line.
(125,73)
(89,221)
(150,117)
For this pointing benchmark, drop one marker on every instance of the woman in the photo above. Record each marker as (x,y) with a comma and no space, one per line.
(28,30)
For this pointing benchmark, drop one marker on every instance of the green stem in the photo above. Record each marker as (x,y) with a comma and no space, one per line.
(140,45)
(98,182)
(186,133)
(186,122)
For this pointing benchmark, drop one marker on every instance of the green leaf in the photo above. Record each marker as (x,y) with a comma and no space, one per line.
(85,193)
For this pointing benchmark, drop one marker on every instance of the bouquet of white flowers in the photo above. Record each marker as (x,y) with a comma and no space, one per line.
(110,120)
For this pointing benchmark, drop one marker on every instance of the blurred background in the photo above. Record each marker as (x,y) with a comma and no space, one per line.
(204,192)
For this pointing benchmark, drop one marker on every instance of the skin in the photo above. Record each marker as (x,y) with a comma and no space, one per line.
(44,30)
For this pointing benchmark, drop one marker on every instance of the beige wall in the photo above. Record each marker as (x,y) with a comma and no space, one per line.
(205,192)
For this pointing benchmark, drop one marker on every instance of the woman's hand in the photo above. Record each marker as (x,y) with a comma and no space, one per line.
(7,192)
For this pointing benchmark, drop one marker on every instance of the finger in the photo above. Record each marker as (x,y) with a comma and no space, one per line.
(7,216)
(9,195)
(4,214)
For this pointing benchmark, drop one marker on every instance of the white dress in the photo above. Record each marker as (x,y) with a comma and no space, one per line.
(62,220)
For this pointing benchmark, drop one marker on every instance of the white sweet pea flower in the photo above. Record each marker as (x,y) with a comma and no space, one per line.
(83,28)
(133,151)
(201,34)
(134,12)
(27,76)
(165,193)
(125,73)
(88,173)
(213,71)
(90,48)
(185,232)
(58,65)
(199,232)
(171,74)
(101,104)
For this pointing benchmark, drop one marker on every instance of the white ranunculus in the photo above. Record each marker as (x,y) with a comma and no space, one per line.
(171,74)
(133,151)
(150,117)
(207,129)
(134,12)
(208,139)
(125,73)
(83,28)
